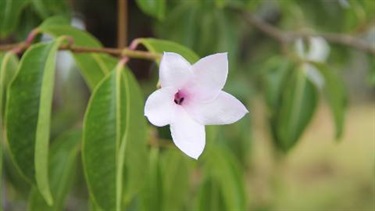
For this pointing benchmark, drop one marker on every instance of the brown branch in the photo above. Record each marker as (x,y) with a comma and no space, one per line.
(348,41)
(22,46)
(266,28)
(285,37)
(135,54)
(8,47)
(122,22)
(81,49)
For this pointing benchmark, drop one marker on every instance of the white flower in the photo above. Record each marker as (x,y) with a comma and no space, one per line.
(191,97)
(318,51)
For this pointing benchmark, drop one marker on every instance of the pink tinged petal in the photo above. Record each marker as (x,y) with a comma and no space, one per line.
(160,106)
(210,75)
(174,71)
(224,109)
(187,134)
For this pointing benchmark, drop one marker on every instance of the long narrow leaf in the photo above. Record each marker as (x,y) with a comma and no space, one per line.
(175,175)
(63,159)
(222,168)
(113,124)
(161,46)
(335,94)
(153,8)
(28,114)
(137,147)
(8,65)
(46,8)
(298,103)
(152,194)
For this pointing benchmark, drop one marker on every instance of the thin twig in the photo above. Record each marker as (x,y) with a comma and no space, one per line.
(8,47)
(135,54)
(285,37)
(348,41)
(20,47)
(81,49)
(266,28)
(122,22)
(134,44)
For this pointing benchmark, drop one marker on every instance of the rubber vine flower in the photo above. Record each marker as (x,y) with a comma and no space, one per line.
(191,97)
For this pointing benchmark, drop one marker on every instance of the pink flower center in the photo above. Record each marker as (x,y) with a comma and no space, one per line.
(179,98)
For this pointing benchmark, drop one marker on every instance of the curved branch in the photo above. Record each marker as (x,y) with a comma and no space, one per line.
(284,37)
(347,40)
(136,54)
(266,28)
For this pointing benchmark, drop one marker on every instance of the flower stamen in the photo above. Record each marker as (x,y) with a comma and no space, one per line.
(178,98)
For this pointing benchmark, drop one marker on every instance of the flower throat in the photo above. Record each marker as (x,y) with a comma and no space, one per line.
(178,98)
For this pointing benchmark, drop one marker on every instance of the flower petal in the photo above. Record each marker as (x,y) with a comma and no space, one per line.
(319,49)
(174,71)
(210,74)
(224,109)
(160,106)
(314,75)
(188,135)
(300,48)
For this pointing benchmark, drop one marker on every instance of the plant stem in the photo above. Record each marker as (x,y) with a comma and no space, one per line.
(285,37)
(135,54)
(122,23)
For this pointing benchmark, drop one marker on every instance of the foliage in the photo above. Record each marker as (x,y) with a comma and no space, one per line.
(128,164)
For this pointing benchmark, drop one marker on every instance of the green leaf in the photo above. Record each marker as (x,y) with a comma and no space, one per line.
(151,195)
(10,11)
(62,163)
(240,136)
(210,196)
(13,176)
(298,103)
(94,67)
(276,71)
(113,123)
(180,25)
(334,90)
(357,14)
(93,206)
(227,41)
(220,166)
(161,46)
(55,21)
(28,114)
(46,8)
(28,21)
(137,146)
(175,173)
(8,66)
(220,3)
(153,8)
